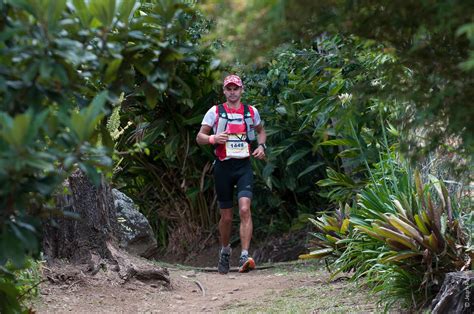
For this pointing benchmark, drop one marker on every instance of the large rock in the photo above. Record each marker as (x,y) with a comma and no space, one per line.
(135,233)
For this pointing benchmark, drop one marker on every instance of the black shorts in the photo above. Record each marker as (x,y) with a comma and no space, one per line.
(230,173)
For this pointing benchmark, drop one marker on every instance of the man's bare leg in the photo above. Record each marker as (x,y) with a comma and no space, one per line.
(246,225)
(246,263)
(225,226)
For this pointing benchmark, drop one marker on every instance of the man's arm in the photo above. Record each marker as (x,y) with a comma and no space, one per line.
(259,152)
(203,137)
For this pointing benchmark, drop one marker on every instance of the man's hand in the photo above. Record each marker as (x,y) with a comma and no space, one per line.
(221,138)
(259,153)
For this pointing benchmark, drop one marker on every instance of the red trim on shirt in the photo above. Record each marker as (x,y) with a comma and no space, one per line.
(220,149)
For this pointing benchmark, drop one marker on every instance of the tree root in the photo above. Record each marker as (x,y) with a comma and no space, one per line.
(200,287)
(129,266)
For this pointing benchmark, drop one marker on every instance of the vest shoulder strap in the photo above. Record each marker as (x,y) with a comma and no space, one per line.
(222,119)
(247,112)
(221,111)
(249,123)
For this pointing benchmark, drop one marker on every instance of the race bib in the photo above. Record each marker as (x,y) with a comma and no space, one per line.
(237,146)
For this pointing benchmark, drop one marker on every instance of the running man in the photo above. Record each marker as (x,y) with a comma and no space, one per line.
(233,125)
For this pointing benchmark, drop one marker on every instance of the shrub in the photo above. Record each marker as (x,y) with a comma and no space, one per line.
(404,236)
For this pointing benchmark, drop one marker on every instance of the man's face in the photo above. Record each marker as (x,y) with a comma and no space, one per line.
(232,92)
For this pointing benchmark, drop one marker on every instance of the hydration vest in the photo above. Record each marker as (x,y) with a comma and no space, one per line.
(223,119)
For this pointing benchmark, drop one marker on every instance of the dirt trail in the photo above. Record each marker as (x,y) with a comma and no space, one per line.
(297,287)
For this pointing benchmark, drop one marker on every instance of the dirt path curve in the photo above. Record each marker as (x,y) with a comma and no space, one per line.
(286,288)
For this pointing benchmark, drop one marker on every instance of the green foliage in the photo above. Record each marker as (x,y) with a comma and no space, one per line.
(436,96)
(248,25)
(468,31)
(433,98)
(63,67)
(424,238)
(331,233)
(159,164)
(315,118)
(18,284)
(342,187)
(402,238)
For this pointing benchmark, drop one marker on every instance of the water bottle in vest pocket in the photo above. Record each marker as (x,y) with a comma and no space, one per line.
(250,129)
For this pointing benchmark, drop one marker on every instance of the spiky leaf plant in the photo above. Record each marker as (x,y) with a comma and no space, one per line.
(329,235)
(402,237)
(421,233)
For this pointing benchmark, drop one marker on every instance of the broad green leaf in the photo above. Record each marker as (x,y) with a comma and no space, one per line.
(24,4)
(395,236)
(349,153)
(171,147)
(317,253)
(345,225)
(334,88)
(405,228)
(127,9)
(48,12)
(290,182)
(421,225)
(467,29)
(331,239)
(77,125)
(37,123)
(39,164)
(83,123)
(297,156)
(268,170)
(11,248)
(55,9)
(326,182)
(103,11)
(10,303)
(328,228)
(368,231)
(151,95)
(27,238)
(339,142)
(309,169)
(18,133)
(112,68)
(438,187)
(400,256)
(193,120)
(45,69)
(91,173)
(82,12)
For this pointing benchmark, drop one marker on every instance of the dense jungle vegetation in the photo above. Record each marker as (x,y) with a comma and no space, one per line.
(367,106)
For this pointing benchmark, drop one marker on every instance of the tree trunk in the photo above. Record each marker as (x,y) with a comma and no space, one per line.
(95,223)
(86,234)
(456,294)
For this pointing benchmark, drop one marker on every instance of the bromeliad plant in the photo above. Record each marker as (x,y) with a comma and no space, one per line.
(330,231)
(421,236)
(402,238)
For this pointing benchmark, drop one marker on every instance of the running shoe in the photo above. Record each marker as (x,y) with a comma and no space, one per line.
(224,264)
(246,264)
